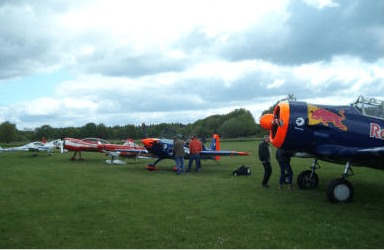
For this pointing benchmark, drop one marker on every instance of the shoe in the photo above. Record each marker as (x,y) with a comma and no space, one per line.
(266,186)
(281,187)
(290,187)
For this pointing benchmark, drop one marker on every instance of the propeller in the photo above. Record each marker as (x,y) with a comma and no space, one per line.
(61,145)
(277,123)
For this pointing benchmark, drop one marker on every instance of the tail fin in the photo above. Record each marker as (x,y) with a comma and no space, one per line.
(215,144)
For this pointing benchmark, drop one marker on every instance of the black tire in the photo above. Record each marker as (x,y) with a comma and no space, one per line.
(307,180)
(340,190)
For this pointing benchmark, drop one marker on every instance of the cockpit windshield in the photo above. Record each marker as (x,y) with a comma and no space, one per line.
(371,107)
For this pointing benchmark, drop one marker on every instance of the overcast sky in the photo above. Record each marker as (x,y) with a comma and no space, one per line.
(68,63)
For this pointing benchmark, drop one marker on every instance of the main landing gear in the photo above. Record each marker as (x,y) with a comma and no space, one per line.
(73,158)
(152,166)
(339,190)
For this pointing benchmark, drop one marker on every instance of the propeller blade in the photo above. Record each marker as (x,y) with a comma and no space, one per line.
(62,146)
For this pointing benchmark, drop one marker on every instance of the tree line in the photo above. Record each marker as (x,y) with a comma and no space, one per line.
(238,123)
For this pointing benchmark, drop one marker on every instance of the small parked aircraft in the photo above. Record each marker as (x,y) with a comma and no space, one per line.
(350,135)
(36,146)
(163,149)
(128,150)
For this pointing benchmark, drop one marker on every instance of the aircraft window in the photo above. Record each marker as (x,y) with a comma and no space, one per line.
(96,140)
(370,107)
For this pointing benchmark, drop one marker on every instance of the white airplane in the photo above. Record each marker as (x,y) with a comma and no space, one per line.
(36,146)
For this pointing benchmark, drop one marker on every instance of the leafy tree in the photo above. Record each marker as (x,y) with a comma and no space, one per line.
(70,132)
(8,132)
(45,131)
(88,130)
(240,123)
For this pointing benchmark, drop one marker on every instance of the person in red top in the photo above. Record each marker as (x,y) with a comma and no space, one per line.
(195,148)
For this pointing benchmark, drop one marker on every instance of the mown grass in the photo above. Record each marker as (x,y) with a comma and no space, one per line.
(51,202)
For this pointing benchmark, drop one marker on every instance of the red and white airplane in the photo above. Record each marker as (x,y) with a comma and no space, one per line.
(127,150)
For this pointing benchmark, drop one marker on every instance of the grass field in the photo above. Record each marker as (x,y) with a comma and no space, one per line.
(51,202)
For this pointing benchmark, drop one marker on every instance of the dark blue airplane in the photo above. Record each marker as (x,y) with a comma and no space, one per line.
(350,135)
(163,149)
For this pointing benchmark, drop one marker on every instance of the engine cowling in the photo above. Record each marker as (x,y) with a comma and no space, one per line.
(277,123)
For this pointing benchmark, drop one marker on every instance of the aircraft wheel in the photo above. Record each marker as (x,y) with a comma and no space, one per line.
(340,190)
(306,181)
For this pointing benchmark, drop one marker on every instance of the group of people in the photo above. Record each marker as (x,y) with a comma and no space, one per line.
(195,147)
(284,159)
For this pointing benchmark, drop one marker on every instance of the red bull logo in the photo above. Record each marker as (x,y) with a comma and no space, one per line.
(322,116)
(376,131)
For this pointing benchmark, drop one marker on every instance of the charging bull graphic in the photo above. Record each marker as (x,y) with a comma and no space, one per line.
(319,115)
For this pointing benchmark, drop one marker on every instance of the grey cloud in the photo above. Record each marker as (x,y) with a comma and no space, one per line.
(135,66)
(353,28)
(26,46)
(346,30)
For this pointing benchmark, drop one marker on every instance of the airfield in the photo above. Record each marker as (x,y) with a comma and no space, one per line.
(52,202)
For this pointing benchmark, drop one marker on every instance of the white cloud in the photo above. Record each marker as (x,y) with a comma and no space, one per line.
(320,4)
(178,61)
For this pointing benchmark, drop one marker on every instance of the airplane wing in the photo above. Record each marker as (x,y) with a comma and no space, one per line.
(377,151)
(214,149)
(333,151)
(14,149)
(373,157)
(130,153)
(223,153)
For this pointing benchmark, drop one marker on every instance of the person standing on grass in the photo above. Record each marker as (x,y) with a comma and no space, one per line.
(265,159)
(179,154)
(284,159)
(195,148)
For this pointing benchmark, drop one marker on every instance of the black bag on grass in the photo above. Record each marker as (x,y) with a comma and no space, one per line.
(243,170)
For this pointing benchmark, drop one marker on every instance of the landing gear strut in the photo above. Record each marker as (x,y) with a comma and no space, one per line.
(308,179)
(73,158)
(152,166)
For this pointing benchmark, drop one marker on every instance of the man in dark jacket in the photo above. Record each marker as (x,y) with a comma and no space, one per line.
(265,158)
(179,154)
(284,159)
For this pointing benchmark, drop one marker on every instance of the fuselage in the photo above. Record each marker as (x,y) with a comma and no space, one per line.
(129,149)
(332,133)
